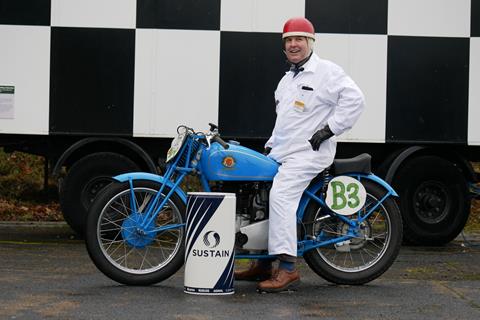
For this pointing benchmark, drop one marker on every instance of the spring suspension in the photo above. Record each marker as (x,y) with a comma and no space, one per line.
(326,179)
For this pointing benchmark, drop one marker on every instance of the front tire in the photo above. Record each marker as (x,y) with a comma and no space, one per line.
(126,252)
(363,258)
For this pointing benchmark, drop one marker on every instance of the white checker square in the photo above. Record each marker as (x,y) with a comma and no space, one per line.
(176,78)
(436,18)
(364,59)
(94,14)
(270,15)
(474,93)
(25,64)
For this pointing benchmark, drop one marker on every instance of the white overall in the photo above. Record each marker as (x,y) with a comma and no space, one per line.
(321,94)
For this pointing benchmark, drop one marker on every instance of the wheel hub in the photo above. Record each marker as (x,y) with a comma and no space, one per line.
(136,235)
(431,202)
(362,232)
(92,188)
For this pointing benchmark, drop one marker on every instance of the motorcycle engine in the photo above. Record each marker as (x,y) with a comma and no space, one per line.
(252,204)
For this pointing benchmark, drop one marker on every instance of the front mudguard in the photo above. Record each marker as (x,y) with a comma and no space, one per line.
(132,176)
(305,200)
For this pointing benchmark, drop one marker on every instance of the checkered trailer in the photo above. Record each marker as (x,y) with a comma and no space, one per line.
(98,87)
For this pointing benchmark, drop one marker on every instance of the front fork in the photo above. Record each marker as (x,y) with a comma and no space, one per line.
(154,207)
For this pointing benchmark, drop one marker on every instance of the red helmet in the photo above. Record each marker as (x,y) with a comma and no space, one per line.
(298,27)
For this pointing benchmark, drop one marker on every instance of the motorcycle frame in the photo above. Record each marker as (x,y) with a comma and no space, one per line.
(193,166)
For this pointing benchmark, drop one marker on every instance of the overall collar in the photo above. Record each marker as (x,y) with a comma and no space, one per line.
(307,64)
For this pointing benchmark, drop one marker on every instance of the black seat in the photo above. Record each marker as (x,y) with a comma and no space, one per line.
(360,163)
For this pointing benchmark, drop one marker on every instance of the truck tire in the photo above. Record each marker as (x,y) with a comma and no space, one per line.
(84,180)
(434,200)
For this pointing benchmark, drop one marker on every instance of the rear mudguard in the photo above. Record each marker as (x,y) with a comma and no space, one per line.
(150,177)
(305,200)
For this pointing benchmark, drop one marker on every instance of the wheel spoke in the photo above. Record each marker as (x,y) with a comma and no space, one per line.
(361,256)
(111,241)
(370,253)
(144,258)
(125,255)
(118,211)
(127,209)
(144,203)
(114,239)
(382,235)
(110,222)
(376,217)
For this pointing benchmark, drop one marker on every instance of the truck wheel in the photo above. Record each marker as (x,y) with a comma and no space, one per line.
(434,200)
(83,182)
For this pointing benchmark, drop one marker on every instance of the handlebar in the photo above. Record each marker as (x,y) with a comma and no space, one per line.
(217,138)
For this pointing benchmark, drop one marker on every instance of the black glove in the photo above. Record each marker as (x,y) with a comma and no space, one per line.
(267,151)
(320,136)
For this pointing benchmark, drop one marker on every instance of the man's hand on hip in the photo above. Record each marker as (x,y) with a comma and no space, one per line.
(320,136)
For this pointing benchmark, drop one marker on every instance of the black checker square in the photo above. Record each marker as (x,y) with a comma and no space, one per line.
(92,81)
(348,16)
(420,107)
(179,14)
(25,12)
(475,18)
(251,65)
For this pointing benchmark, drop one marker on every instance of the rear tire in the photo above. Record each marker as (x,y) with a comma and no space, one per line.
(368,256)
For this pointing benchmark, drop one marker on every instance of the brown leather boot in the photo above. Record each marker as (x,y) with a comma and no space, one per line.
(282,280)
(255,272)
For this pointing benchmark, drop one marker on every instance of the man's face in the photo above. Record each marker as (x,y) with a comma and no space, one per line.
(296,49)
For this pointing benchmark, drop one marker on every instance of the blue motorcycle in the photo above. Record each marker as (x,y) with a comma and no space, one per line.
(349,226)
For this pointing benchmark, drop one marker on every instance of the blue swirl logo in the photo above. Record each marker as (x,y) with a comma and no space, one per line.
(211,239)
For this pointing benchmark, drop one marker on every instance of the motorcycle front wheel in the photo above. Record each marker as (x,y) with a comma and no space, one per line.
(360,259)
(127,247)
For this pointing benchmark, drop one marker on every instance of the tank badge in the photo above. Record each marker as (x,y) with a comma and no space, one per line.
(228,162)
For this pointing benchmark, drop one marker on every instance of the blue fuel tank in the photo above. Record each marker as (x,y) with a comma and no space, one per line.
(237,163)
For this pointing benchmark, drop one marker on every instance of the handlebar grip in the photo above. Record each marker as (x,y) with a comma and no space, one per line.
(213,126)
(221,142)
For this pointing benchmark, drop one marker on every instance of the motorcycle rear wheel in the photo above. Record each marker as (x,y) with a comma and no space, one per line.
(126,252)
(362,259)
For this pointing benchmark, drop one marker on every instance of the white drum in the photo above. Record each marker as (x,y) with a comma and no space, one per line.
(210,240)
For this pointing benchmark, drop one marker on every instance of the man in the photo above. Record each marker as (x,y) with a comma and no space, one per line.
(315,101)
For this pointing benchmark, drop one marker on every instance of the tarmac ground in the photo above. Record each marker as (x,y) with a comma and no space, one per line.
(45,273)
